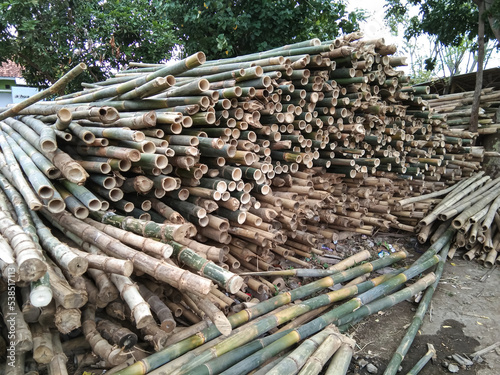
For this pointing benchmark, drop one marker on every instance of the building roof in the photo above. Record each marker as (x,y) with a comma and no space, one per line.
(465,82)
(10,69)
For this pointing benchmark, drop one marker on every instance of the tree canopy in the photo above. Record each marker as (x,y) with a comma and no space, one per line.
(449,20)
(48,37)
(223,28)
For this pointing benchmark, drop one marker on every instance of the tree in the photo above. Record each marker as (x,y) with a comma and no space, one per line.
(48,37)
(451,21)
(223,28)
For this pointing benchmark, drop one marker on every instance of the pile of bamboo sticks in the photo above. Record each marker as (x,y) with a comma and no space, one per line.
(242,352)
(471,208)
(456,109)
(168,179)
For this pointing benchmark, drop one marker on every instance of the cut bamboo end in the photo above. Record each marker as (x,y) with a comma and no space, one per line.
(56,205)
(48,145)
(41,296)
(94,204)
(64,117)
(148,147)
(74,174)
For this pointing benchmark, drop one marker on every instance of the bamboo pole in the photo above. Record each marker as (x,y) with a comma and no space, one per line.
(54,89)
(431,354)
(417,321)
(184,280)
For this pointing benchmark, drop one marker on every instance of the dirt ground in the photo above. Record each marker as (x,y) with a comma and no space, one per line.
(464,318)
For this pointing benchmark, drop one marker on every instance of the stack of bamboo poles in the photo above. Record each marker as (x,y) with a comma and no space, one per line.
(456,108)
(471,207)
(243,352)
(167,179)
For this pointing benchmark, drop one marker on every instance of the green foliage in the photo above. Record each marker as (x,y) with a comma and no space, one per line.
(449,49)
(48,37)
(223,28)
(451,21)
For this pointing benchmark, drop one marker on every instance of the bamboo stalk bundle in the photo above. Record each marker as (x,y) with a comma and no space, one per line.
(472,209)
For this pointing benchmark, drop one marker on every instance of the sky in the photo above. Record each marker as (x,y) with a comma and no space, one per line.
(374,26)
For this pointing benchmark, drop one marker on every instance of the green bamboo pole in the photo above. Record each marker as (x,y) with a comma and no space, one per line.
(165,232)
(11,169)
(157,103)
(298,358)
(253,330)
(431,354)
(185,207)
(68,167)
(176,68)
(196,87)
(148,245)
(121,134)
(61,253)
(136,121)
(43,164)
(40,183)
(263,55)
(110,152)
(269,364)
(177,363)
(418,318)
(341,360)
(54,89)
(84,195)
(388,301)
(47,135)
(218,365)
(334,315)
(41,293)
(485,200)
(150,88)
(318,359)
(228,280)
(439,245)
(161,271)
(158,359)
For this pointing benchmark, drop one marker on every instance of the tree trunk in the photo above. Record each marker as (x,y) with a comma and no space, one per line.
(480,64)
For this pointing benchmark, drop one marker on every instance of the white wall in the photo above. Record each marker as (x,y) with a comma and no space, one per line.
(5,98)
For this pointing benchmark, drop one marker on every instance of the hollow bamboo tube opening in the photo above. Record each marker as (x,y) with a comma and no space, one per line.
(128,207)
(124,165)
(203,221)
(104,205)
(104,168)
(115,194)
(109,183)
(74,174)
(45,192)
(81,212)
(161,161)
(148,147)
(56,205)
(64,117)
(186,122)
(108,114)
